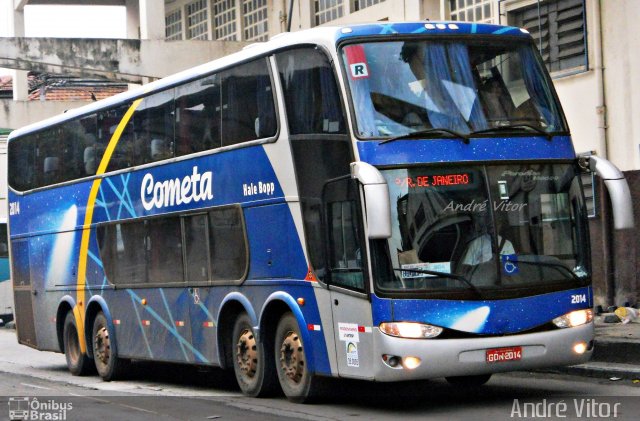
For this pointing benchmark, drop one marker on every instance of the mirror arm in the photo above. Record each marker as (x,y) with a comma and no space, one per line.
(618,188)
(376,196)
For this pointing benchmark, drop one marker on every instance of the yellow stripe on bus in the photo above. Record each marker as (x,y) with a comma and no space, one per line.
(78,311)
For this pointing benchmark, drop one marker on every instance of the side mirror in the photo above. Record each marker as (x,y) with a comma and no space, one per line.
(618,189)
(376,199)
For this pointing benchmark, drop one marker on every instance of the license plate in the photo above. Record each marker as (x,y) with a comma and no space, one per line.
(499,355)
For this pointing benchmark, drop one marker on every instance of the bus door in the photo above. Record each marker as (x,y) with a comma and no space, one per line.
(351,308)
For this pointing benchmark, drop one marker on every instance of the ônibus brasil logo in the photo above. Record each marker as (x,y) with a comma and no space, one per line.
(32,409)
(176,191)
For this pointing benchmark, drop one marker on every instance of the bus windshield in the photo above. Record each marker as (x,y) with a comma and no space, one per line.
(471,86)
(486,229)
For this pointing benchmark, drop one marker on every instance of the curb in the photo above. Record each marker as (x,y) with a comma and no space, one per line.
(600,370)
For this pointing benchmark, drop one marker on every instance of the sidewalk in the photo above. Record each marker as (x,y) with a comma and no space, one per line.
(616,354)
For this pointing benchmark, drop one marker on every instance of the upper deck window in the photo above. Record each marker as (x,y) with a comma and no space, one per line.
(467,86)
(228,108)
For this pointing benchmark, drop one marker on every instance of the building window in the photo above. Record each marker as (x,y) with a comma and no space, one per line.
(224,20)
(362,4)
(255,20)
(173,25)
(197,20)
(471,10)
(328,10)
(558,28)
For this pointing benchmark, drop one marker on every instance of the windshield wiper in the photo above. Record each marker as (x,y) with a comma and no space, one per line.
(426,132)
(556,266)
(445,275)
(510,127)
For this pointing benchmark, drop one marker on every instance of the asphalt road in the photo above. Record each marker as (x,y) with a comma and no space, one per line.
(39,381)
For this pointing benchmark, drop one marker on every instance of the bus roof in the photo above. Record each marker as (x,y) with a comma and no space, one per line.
(324,35)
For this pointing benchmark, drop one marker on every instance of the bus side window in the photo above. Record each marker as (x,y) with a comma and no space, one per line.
(318,135)
(164,247)
(195,239)
(344,234)
(153,128)
(248,110)
(23,155)
(49,160)
(228,245)
(108,123)
(310,92)
(197,116)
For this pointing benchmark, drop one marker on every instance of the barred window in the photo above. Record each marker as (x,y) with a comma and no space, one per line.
(197,20)
(328,10)
(224,20)
(362,4)
(559,30)
(173,25)
(255,20)
(471,10)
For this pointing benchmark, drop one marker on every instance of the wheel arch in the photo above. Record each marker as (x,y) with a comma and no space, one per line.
(66,304)
(232,305)
(274,307)
(95,305)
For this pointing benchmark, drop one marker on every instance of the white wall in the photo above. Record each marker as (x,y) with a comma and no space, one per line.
(621,38)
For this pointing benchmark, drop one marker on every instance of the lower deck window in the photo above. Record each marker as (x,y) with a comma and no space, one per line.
(176,249)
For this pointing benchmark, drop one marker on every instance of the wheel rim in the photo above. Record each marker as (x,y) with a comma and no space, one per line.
(73,345)
(292,358)
(247,354)
(102,346)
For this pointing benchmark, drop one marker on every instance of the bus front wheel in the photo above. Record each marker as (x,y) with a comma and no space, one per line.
(78,362)
(297,382)
(105,355)
(252,364)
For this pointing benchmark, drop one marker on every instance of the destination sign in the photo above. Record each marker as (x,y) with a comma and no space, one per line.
(436,180)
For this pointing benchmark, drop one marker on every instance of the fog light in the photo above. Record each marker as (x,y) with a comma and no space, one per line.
(411,362)
(392,361)
(580,348)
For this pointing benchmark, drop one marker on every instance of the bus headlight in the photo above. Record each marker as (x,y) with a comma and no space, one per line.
(410,330)
(573,319)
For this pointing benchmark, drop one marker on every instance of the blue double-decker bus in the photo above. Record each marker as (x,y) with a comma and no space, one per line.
(384,201)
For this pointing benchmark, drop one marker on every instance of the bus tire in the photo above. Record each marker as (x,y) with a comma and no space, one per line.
(105,356)
(252,360)
(298,383)
(468,381)
(78,362)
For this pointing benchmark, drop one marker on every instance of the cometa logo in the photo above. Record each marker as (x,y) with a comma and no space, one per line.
(192,188)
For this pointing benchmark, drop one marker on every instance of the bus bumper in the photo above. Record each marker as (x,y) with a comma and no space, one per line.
(464,357)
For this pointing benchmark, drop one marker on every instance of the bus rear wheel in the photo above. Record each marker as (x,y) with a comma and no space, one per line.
(109,365)
(297,382)
(252,361)
(78,362)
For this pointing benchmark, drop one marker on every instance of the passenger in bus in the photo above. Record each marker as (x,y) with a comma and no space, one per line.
(480,249)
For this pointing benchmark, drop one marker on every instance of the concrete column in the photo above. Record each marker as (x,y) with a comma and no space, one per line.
(239,21)
(304,18)
(15,28)
(151,17)
(277,16)
(133,18)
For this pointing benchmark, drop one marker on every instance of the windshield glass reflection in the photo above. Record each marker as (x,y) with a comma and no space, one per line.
(403,87)
(485,228)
